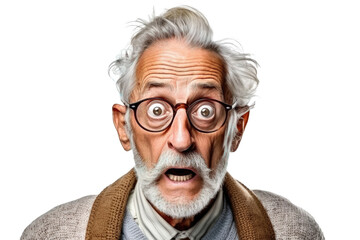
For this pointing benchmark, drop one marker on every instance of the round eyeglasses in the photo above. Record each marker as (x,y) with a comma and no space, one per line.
(157,114)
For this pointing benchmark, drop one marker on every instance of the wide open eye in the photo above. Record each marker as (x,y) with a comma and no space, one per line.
(156,110)
(205,111)
(206,115)
(154,114)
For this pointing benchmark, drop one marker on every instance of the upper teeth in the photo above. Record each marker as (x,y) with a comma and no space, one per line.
(180,178)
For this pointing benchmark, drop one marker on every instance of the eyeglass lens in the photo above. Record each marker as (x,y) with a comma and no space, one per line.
(205,115)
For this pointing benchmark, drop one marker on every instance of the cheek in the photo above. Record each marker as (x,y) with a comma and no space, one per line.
(211,148)
(218,150)
(149,145)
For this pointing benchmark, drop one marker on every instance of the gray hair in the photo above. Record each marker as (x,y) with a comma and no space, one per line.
(190,25)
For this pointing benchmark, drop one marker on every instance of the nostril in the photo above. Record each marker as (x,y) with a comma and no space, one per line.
(191,148)
(181,141)
(182,149)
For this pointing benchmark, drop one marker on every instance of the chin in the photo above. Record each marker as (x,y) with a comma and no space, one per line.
(179,207)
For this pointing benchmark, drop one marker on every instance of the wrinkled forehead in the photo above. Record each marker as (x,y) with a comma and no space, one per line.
(173,66)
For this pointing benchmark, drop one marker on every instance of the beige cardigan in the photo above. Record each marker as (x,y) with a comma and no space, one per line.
(70,220)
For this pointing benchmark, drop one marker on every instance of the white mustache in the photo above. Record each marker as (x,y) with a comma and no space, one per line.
(170,159)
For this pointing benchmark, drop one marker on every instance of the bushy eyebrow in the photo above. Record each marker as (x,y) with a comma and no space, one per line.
(154,84)
(207,85)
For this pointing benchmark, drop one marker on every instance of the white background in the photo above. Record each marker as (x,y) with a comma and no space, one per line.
(56,135)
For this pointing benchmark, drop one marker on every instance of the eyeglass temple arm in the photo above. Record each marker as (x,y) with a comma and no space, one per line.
(125,104)
(240,111)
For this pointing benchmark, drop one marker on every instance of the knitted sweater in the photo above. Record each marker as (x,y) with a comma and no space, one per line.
(70,220)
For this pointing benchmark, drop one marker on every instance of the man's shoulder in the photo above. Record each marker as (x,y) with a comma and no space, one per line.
(288,220)
(66,221)
(69,220)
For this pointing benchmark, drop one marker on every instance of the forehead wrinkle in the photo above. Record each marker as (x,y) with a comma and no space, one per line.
(182,66)
(156,58)
(163,71)
(165,54)
(165,60)
(188,69)
(175,62)
(182,72)
(174,76)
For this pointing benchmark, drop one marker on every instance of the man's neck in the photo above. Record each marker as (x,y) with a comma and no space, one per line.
(182,224)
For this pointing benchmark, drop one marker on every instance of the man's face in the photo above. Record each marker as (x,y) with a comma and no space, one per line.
(180,74)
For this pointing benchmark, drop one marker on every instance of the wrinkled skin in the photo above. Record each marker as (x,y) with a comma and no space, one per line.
(181,74)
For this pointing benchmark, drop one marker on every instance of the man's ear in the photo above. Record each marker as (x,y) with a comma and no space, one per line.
(241,125)
(119,112)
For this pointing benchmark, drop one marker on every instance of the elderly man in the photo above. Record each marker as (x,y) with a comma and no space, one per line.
(185,108)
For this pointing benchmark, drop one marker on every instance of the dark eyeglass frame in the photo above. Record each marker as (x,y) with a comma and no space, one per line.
(175,108)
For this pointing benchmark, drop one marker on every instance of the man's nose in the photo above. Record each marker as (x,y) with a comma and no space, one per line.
(180,138)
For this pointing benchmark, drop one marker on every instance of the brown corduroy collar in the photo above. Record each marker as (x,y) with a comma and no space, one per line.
(109,208)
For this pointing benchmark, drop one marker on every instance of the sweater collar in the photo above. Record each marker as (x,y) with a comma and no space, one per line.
(108,210)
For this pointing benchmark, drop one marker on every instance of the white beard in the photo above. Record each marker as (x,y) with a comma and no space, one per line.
(182,208)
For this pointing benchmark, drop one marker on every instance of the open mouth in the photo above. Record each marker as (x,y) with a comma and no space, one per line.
(180,174)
